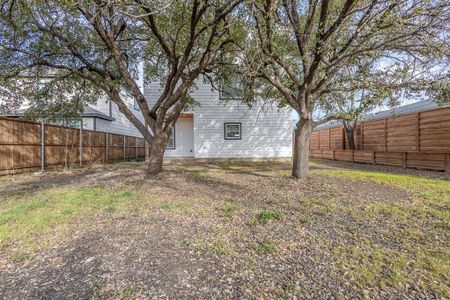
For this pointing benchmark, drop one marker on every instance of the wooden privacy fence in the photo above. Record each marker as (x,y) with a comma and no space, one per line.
(22,144)
(417,140)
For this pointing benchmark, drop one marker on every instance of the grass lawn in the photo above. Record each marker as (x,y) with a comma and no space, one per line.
(225,230)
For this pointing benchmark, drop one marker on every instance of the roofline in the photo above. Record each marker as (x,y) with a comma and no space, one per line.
(381,117)
(96,115)
(83,115)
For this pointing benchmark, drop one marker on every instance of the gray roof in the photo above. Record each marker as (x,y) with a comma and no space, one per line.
(89,112)
(16,114)
(396,111)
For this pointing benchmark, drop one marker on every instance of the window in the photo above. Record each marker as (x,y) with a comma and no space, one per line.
(171,143)
(232,88)
(136,105)
(232,131)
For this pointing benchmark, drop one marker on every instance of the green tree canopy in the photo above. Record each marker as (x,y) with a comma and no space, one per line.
(296,49)
(98,46)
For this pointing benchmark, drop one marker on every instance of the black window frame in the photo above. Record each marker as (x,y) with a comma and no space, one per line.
(225,131)
(174,140)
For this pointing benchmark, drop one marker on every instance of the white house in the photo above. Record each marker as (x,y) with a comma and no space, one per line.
(216,128)
(105,116)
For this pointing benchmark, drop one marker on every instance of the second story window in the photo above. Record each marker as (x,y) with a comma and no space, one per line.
(136,105)
(232,88)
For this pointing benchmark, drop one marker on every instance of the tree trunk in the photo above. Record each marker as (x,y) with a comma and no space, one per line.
(156,156)
(301,148)
(350,132)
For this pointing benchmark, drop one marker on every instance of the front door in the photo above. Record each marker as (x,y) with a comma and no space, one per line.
(183,138)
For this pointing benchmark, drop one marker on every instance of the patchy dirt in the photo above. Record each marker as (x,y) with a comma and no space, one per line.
(325,163)
(196,231)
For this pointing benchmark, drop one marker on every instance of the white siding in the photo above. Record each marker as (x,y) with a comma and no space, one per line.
(88,123)
(266,129)
(102,105)
(121,125)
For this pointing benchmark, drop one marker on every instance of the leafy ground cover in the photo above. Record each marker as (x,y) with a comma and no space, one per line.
(225,230)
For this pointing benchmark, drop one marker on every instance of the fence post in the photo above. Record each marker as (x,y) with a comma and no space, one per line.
(373,158)
(334,155)
(42,145)
(124,149)
(362,136)
(90,147)
(136,147)
(353,155)
(319,137)
(81,143)
(447,163)
(106,146)
(329,139)
(146,146)
(385,134)
(418,132)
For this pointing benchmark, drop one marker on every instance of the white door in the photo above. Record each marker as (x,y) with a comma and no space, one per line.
(183,145)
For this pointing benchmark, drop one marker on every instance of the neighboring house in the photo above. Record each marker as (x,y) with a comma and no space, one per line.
(105,116)
(418,106)
(227,128)
(102,116)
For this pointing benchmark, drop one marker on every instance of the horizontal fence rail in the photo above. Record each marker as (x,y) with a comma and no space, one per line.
(416,140)
(30,145)
(429,161)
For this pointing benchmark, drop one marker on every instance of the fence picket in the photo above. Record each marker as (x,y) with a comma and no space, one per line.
(406,140)
(22,142)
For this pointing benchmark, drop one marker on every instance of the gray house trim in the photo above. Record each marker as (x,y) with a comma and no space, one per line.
(88,112)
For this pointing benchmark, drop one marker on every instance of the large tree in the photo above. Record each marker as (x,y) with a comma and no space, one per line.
(297,47)
(100,44)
